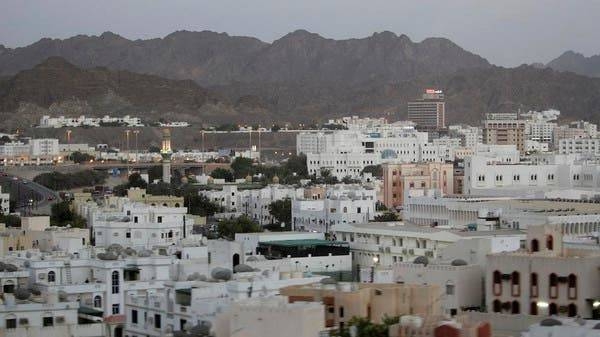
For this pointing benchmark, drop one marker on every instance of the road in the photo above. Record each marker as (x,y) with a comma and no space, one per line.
(31,198)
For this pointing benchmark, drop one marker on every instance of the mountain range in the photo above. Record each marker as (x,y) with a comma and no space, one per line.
(577,63)
(208,77)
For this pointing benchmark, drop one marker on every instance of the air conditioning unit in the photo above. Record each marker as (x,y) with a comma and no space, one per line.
(60,319)
(23,321)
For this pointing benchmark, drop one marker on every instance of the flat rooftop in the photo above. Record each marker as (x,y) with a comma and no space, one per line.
(306,242)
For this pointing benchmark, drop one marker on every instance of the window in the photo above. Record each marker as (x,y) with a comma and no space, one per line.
(128,235)
(572,310)
(515,307)
(159,219)
(449,289)
(11,323)
(48,321)
(549,242)
(358,210)
(534,285)
(51,276)
(157,323)
(553,281)
(341,312)
(135,219)
(533,308)
(553,309)
(497,306)
(535,245)
(115,282)
(572,291)
(97,301)
(115,309)
(497,283)
(515,280)
(182,323)
(134,316)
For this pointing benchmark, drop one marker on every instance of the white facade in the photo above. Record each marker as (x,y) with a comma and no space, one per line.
(394,242)
(140,225)
(584,146)
(62,121)
(498,212)
(340,204)
(4,202)
(44,147)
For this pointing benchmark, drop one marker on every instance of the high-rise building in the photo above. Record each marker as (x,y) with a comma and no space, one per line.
(504,129)
(429,112)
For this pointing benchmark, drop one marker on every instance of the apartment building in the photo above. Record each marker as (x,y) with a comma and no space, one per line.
(399,179)
(504,129)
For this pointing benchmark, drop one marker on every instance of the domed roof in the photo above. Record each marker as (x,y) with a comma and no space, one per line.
(421,260)
(22,294)
(221,274)
(459,262)
(550,322)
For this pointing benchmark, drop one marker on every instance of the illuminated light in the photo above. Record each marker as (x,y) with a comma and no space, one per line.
(542,305)
(596,304)
(375,259)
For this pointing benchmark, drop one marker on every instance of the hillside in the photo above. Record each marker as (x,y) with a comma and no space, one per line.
(577,63)
(206,77)
(216,59)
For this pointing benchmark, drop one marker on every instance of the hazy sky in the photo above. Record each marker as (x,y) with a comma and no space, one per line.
(506,32)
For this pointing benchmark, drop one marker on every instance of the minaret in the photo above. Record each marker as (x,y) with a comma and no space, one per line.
(166,153)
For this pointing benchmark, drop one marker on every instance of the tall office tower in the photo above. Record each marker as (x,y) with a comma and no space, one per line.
(429,112)
(166,153)
(504,129)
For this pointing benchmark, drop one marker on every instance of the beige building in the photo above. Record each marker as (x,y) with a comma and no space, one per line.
(140,195)
(399,179)
(504,129)
(36,233)
(346,300)
(545,279)
(270,317)
(429,112)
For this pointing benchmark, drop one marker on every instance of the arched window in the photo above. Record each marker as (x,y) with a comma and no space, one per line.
(553,281)
(533,289)
(176,204)
(115,282)
(549,242)
(533,308)
(345,209)
(497,283)
(572,292)
(552,309)
(515,307)
(497,306)
(51,276)
(97,301)
(535,245)
(572,310)
(515,281)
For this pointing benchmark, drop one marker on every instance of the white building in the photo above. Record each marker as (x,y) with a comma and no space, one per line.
(140,225)
(393,242)
(470,136)
(485,213)
(561,326)
(583,146)
(4,202)
(62,121)
(339,204)
(252,202)
(537,177)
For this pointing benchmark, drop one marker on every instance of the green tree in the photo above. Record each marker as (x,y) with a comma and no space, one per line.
(10,220)
(200,205)
(281,211)
(62,215)
(228,228)
(59,181)
(154,173)
(297,164)
(153,149)
(159,189)
(222,173)
(375,170)
(365,328)
(387,216)
(135,180)
(78,157)
(242,167)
